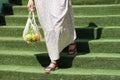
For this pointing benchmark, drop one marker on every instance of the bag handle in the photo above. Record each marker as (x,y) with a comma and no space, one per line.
(32,17)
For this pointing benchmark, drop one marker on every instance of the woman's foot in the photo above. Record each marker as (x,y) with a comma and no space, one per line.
(51,67)
(72,49)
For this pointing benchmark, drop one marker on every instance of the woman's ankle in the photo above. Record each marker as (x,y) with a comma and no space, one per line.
(53,61)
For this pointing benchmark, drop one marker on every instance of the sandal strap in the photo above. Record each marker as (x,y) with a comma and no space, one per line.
(72,49)
(53,63)
(49,68)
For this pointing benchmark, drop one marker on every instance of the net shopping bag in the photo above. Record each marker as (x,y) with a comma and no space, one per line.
(31,32)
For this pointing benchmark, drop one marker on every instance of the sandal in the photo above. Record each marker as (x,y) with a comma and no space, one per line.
(72,49)
(51,68)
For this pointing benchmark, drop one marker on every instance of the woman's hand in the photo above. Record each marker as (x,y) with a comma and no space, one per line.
(30,5)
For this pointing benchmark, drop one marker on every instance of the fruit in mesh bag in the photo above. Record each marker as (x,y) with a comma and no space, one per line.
(29,37)
(35,37)
(32,37)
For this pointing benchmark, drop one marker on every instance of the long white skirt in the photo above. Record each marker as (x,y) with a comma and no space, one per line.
(56,19)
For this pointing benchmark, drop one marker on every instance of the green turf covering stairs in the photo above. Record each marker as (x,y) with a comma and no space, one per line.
(97,23)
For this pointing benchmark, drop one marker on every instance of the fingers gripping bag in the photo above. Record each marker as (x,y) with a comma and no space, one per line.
(31,32)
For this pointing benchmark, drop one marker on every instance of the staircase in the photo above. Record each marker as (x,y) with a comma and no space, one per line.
(97,23)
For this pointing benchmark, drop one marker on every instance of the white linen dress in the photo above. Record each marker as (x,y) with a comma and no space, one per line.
(56,19)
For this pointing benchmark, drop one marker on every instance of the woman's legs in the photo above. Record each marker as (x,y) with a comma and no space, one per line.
(54,24)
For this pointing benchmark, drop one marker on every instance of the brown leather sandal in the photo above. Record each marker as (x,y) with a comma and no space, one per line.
(48,69)
(72,49)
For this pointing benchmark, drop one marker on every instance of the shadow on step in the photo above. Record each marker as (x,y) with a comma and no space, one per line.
(82,44)
(43,59)
(7,9)
(16,2)
(90,32)
(65,60)
(86,34)
(98,31)
(2,20)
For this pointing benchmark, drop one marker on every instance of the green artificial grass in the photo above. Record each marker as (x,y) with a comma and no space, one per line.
(20,44)
(99,45)
(41,59)
(85,45)
(91,2)
(104,20)
(24,2)
(14,31)
(17,20)
(100,32)
(37,73)
(97,23)
(79,2)
(79,10)
(112,9)
(21,10)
